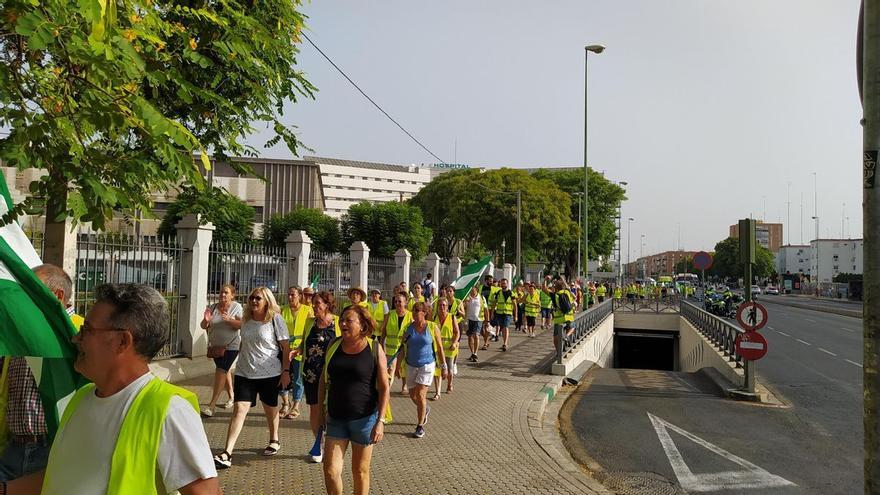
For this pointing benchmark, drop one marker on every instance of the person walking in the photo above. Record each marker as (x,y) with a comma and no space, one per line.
(393,327)
(298,317)
(357,297)
(127,431)
(223,322)
(260,372)
(504,312)
(422,351)
(449,338)
(417,297)
(355,391)
(378,310)
(601,291)
(563,310)
(476,312)
(488,290)
(520,301)
(429,288)
(546,310)
(531,308)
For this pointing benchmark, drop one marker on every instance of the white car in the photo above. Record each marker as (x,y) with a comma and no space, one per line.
(771,290)
(756,291)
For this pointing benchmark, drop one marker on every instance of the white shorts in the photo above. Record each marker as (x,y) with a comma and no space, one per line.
(419,375)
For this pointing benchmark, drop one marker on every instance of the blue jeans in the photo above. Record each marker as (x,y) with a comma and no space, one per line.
(296,385)
(19,459)
(359,431)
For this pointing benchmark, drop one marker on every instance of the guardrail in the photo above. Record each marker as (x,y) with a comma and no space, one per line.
(583,325)
(661,304)
(721,333)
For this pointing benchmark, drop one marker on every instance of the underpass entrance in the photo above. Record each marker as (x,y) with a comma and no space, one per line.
(652,350)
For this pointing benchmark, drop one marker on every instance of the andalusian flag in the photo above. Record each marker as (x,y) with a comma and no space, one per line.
(314,283)
(33,322)
(470,275)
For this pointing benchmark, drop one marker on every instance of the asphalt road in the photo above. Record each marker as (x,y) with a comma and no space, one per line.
(813,365)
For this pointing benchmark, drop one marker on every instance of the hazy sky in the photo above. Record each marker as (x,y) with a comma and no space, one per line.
(707,108)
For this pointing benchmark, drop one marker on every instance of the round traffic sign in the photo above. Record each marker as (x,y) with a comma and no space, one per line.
(751,316)
(751,345)
(702,260)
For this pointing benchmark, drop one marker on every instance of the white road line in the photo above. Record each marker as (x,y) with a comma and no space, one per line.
(771,328)
(783,333)
(853,362)
(827,352)
(810,320)
(847,330)
(802,342)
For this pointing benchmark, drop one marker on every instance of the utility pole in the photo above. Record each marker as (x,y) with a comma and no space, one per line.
(869,43)
(519,234)
(788,220)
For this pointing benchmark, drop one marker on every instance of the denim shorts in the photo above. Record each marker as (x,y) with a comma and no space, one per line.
(546,312)
(502,321)
(474,327)
(359,431)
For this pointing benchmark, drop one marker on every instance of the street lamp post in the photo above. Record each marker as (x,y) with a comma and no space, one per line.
(623,184)
(641,256)
(580,196)
(597,49)
(628,244)
(503,251)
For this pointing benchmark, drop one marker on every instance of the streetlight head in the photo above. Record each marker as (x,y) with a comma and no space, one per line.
(594,48)
(631,219)
(623,183)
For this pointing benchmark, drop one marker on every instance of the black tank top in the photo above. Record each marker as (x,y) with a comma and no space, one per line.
(352,393)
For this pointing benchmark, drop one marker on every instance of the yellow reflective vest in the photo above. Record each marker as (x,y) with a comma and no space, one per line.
(501,305)
(394,331)
(377,310)
(296,323)
(558,316)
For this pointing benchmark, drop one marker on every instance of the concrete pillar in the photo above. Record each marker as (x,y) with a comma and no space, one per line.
(490,270)
(299,249)
(195,240)
(508,272)
(402,259)
(432,266)
(59,245)
(360,258)
(454,268)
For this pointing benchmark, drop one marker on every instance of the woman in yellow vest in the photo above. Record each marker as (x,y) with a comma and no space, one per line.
(532,308)
(354,391)
(378,309)
(449,338)
(357,297)
(417,297)
(392,330)
(297,316)
(422,352)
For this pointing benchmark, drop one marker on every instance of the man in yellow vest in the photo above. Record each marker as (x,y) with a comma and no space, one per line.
(488,290)
(298,318)
(601,290)
(503,305)
(129,431)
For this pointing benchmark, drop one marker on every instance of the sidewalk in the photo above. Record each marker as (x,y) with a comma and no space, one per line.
(478,438)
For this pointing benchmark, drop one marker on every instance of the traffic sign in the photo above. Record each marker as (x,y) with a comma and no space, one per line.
(751,316)
(702,260)
(751,345)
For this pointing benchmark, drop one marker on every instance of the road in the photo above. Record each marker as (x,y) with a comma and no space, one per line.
(653,427)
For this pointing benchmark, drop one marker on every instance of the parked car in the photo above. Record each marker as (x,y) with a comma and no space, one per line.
(771,290)
(756,291)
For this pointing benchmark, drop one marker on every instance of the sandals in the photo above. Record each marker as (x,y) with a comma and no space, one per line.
(294,413)
(273,448)
(208,412)
(223,460)
(484,347)
(436,397)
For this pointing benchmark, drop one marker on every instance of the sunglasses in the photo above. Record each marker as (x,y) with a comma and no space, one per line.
(255,298)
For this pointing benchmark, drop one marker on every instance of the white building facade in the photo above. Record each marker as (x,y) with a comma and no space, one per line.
(836,256)
(793,259)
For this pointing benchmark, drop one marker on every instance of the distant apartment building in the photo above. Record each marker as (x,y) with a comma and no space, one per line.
(793,259)
(830,257)
(768,235)
(656,265)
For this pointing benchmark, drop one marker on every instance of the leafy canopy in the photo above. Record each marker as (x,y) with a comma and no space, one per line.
(386,227)
(728,264)
(233,219)
(113,98)
(322,229)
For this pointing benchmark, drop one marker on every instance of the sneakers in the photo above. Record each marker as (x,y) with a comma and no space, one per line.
(316,454)
(504,348)
(207,412)
(473,358)
(420,431)
(223,460)
(228,404)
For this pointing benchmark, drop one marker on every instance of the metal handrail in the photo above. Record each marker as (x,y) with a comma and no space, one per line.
(583,325)
(668,304)
(721,333)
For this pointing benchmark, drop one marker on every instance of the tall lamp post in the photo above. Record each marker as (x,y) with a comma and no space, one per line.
(619,219)
(597,49)
(628,244)
(580,197)
(642,263)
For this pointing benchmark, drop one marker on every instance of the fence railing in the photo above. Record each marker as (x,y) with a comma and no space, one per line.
(332,272)
(118,258)
(721,333)
(583,325)
(380,276)
(246,266)
(650,304)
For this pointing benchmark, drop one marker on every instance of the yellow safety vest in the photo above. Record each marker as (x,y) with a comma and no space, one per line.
(394,331)
(601,291)
(433,329)
(136,453)
(617,293)
(378,312)
(558,316)
(296,323)
(446,335)
(501,306)
(331,350)
(533,304)
(412,302)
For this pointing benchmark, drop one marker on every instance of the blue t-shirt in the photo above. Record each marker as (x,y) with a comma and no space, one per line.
(419,346)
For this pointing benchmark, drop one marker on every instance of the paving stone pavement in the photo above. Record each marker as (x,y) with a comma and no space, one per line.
(478,439)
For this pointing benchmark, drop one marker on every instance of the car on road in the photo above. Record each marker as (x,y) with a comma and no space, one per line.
(771,290)
(756,291)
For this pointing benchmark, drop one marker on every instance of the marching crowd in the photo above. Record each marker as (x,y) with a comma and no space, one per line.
(128,426)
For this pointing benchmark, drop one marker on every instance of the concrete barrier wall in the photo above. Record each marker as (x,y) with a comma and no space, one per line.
(646,321)
(598,348)
(695,352)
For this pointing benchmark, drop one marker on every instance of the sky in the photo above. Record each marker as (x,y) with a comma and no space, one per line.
(708,109)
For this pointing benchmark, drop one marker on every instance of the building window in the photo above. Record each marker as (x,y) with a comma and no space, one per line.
(835,267)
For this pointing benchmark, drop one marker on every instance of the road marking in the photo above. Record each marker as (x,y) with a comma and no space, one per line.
(827,352)
(771,328)
(752,477)
(802,342)
(847,330)
(810,320)
(783,333)
(853,362)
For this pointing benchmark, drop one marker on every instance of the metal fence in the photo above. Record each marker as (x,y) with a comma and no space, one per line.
(417,271)
(649,304)
(247,266)
(380,275)
(583,325)
(119,258)
(721,333)
(37,240)
(331,272)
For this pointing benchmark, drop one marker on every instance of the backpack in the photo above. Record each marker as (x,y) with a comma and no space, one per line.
(426,288)
(563,303)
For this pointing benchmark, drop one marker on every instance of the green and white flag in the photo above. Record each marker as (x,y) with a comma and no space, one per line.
(470,275)
(33,322)
(314,283)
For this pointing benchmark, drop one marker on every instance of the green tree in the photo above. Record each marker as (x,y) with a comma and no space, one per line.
(112,99)
(233,219)
(322,229)
(728,263)
(386,227)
